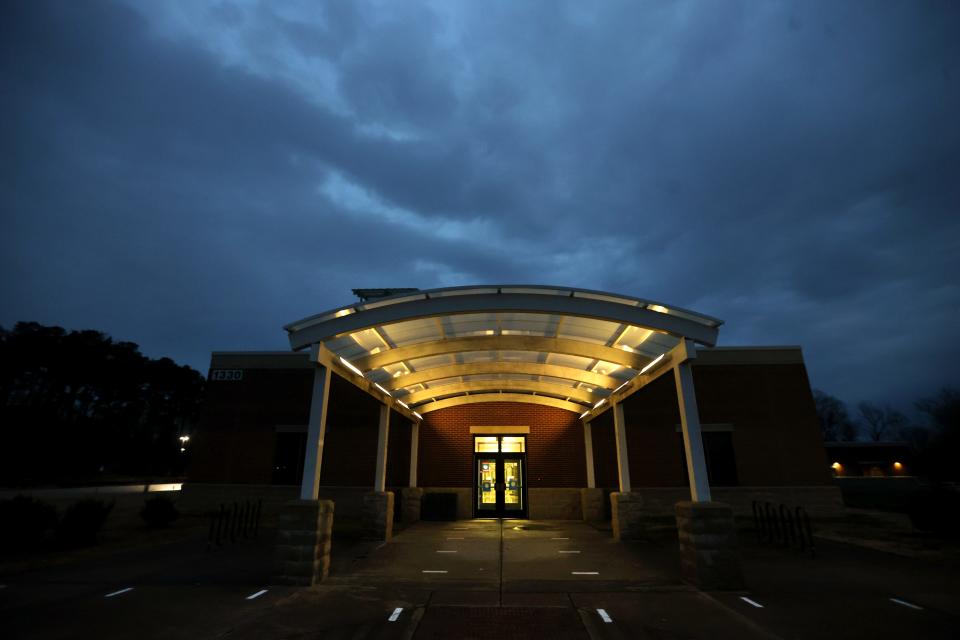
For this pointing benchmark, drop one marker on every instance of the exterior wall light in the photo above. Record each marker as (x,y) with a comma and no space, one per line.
(837,467)
(897,466)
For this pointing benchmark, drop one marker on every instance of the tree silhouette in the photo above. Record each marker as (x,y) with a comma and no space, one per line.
(77,406)
(835,422)
(882,421)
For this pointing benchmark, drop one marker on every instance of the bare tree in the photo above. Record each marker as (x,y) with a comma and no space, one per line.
(882,421)
(835,422)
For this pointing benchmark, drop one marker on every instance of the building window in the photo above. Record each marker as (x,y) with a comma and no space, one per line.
(288,457)
(502,444)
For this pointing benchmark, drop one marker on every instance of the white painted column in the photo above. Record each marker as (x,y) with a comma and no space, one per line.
(588,449)
(620,433)
(316,429)
(414,446)
(692,440)
(380,477)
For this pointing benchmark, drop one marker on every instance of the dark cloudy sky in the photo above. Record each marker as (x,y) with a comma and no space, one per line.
(191,176)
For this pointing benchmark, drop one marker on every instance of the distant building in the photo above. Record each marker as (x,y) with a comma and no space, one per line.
(871,459)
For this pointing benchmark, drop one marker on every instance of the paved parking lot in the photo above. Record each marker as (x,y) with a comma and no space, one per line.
(483,579)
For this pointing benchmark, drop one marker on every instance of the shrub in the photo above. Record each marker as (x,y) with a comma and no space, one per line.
(936,510)
(26,521)
(82,521)
(159,512)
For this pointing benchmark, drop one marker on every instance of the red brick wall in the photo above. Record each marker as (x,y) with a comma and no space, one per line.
(236,437)
(775,433)
(555,455)
(235,442)
(776,438)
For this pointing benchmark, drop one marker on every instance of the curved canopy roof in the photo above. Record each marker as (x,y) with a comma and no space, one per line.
(556,346)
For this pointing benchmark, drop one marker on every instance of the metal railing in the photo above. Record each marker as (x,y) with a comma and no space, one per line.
(783,526)
(233,522)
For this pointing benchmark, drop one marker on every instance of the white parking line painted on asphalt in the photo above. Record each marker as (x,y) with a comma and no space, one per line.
(395,615)
(749,601)
(116,593)
(604,615)
(445,551)
(257,594)
(562,551)
(432,571)
(585,573)
(906,604)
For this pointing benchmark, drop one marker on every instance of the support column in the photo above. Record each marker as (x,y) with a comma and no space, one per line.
(383,440)
(304,531)
(625,507)
(591,498)
(304,526)
(414,449)
(411,497)
(316,429)
(378,505)
(692,440)
(588,449)
(709,556)
(623,462)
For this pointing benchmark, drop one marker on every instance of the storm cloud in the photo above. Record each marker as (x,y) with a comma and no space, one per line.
(191,176)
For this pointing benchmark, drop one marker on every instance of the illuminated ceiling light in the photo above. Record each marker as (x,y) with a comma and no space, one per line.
(600,402)
(489,332)
(184,438)
(377,385)
(375,350)
(625,383)
(626,348)
(349,365)
(657,308)
(584,413)
(653,363)
(343,312)
(418,415)
(397,373)
(404,404)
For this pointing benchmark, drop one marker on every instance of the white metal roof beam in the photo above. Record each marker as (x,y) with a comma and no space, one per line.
(308,331)
(522,368)
(503,385)
(503,343)
(501,397)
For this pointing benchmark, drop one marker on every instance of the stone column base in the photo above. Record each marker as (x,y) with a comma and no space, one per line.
(626,512)
(377,517)
(303,542)
(709,554)
(410,500)
(591,504)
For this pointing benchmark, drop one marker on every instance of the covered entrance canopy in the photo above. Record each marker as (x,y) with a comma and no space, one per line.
(557,346)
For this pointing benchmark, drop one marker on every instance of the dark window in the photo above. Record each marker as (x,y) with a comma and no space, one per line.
(288,458)
(721,462)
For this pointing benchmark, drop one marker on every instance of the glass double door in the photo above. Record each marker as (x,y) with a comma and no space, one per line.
(500,487)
